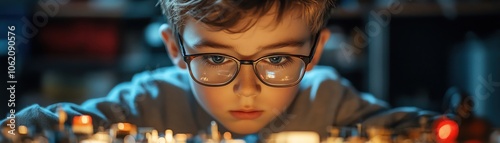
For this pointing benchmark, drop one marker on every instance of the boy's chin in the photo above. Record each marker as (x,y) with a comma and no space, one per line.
(244,127)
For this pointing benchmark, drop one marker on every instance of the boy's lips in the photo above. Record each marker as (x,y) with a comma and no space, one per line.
(246,114)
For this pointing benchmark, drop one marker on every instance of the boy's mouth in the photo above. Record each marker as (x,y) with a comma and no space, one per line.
(246,114)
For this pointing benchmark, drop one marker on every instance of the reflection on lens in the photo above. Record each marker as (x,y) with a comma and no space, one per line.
(281,74)
(209,72)
(269,75)
(225,73)
(285,78)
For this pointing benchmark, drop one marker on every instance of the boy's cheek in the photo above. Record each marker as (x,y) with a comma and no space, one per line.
(215,98)
(280,94)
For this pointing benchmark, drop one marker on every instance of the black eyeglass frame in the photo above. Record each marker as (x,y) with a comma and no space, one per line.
(189,58)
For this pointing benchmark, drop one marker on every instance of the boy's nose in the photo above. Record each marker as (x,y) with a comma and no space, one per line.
(247,84)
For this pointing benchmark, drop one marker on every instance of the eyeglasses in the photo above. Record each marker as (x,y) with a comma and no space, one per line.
(215,69)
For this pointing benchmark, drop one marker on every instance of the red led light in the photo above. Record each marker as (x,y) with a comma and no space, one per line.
(446,130)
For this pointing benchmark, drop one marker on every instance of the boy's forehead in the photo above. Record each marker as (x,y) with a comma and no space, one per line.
(269,22)
(266,30)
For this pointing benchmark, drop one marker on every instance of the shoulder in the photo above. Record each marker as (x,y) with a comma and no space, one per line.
(150,85)
(322,85)
(326,81)
(146,91)
(167,75)
(322,72)
(323,76)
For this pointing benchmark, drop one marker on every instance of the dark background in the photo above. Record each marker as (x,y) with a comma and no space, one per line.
(89,46)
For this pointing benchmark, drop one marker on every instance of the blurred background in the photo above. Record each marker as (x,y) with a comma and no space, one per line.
(406,52)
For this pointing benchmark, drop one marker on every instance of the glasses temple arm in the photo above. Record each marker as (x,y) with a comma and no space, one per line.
(313,49)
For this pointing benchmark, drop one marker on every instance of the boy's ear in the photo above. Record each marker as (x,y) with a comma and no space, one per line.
(323,38)
(169,39)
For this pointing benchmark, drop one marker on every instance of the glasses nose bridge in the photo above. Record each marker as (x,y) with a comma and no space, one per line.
(246,62)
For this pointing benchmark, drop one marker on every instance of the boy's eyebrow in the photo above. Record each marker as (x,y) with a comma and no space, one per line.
(211,44)
(287,43)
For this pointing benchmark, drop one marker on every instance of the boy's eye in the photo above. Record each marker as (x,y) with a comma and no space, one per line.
(276,59)
(216,59)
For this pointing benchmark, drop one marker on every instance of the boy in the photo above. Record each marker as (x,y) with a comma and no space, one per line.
(249,65)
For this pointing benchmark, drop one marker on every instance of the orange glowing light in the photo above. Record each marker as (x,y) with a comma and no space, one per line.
(85,119)
(124,126)
(121,126)
(446,130)
(23,130)
(82,124)
(82,120)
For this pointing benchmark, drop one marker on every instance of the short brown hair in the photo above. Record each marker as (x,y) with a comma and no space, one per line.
(224,14)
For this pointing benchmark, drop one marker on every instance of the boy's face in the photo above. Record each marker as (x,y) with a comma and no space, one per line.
(245,105)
